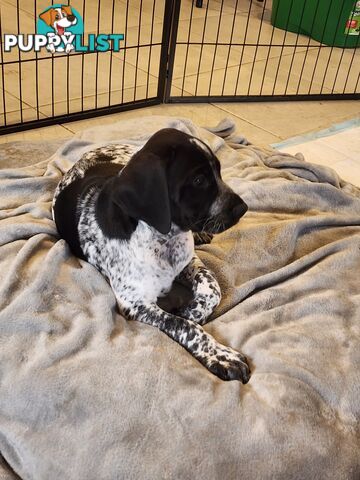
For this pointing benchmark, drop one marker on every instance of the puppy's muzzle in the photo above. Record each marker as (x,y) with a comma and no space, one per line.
(225,212)
(237,207)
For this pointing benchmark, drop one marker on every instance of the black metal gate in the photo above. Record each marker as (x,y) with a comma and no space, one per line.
(227,50)
(236,54)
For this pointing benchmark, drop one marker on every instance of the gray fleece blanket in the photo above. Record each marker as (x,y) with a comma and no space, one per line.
(86,395)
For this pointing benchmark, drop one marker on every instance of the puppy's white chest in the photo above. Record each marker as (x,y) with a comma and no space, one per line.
(177,252)
(166,257)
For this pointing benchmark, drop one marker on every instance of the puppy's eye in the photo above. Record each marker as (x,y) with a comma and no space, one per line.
(199,181)
(57,16)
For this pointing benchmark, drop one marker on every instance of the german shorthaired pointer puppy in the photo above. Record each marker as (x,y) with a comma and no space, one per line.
(131,212)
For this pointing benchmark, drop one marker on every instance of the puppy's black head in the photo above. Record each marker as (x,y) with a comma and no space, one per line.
(175,178)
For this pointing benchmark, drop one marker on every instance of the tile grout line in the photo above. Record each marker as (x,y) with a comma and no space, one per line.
(246,120)
(323,132)
(32,107)
(66,128)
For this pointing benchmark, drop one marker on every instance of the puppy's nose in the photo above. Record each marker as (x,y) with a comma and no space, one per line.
(240,209)
(237,206)
(71,18)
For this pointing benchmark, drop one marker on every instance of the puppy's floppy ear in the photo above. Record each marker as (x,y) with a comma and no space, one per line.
(141,191)
(67,9)
(47,17)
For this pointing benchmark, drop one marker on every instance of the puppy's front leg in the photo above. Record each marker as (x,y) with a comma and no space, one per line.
(201,238)
(224,362)
(205,289)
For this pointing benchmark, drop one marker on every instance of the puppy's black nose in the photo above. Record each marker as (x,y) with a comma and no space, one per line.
(237,206)
(239,209)
(71,18)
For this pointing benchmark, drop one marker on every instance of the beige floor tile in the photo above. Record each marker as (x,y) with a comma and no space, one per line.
(26,115)
(12,103)
(204,114)
(288,119)
(145,5)
(339,150)
(233,28)
(265,52)
(87,74)
(44,134)
(9,25)
(24,6)
(336,69)
(13,108)
(255,7)
(277,76)
(189,59)
(131,17)
(236,29)
(317,152)
(10,18)
(212,8)
(301,59)
(346,142)
(101,100)
(349,170)
(32,7)
(90,12)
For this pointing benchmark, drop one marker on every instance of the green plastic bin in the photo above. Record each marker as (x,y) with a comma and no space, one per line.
(332,22)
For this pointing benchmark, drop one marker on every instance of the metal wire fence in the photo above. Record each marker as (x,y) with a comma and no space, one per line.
(172,51)
(279,50)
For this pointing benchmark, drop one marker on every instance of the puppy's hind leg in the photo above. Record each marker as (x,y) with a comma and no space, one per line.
(224,362)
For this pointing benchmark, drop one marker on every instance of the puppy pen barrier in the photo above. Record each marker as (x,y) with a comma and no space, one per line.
(175,51)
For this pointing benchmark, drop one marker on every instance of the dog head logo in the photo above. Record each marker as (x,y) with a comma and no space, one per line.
(59,18)
(60,21)
(60,28)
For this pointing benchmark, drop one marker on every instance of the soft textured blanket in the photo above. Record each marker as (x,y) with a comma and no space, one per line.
(86,395)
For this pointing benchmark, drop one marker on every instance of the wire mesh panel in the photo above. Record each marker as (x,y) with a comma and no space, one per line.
(41,87)
(254,50)
(171,51)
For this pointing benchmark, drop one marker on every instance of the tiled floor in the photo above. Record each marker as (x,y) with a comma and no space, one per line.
(338,148)
(262,59)
(266,69)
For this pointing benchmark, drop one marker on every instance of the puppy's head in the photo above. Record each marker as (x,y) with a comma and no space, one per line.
(175,178)
(59,18)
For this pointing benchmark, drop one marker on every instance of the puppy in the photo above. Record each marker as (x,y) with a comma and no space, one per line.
(131,214)
(59,18)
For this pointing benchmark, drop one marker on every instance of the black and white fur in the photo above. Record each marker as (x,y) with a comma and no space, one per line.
(132,212)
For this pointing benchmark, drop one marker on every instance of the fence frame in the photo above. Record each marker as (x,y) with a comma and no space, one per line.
(165,74)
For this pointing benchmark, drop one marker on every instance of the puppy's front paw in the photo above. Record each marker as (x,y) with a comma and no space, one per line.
(201,238)
(50,48)
(69,47)
(230,365)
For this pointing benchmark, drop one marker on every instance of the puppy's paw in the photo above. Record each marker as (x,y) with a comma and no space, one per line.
(230,365)
(201,238)
(69,47)
(50,48)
